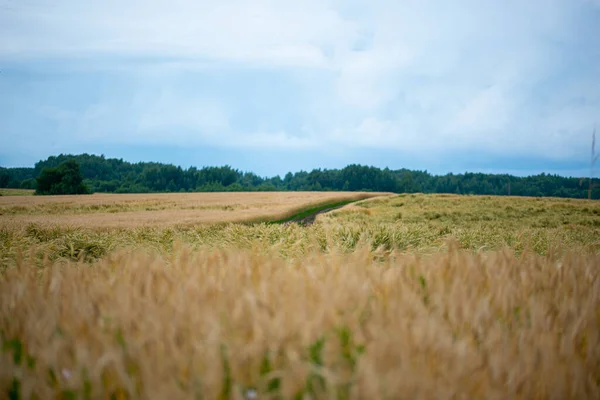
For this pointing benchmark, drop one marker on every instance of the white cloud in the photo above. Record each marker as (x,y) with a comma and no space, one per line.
(488,111)
(366,78)
(264,32)
(263,140)
(170,112)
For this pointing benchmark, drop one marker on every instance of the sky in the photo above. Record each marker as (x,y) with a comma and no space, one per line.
(272,86)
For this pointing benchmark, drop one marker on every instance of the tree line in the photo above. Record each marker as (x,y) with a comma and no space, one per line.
(111,175)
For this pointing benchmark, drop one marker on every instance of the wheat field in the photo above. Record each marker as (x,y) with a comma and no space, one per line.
(162,209)
(410,296)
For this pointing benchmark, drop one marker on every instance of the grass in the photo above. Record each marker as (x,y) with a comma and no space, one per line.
(16,192)
(410,296)
(311,211)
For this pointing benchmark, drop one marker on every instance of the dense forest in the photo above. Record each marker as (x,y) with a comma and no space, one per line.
(115,175)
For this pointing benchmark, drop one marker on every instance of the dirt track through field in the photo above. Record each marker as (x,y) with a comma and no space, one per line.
(310,218)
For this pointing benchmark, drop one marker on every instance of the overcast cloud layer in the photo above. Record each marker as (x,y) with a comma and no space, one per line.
(272,86)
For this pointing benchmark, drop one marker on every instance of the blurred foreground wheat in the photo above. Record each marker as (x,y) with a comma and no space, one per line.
(242,324)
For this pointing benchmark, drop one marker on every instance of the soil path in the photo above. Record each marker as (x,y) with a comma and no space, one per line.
(306,219)
(310,219)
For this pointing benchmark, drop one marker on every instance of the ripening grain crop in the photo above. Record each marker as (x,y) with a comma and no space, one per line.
(416,296)
(108,211)
(232,324)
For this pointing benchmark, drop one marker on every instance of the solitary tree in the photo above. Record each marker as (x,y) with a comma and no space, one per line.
(64,179)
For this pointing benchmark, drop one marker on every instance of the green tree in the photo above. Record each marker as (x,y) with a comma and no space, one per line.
(4,179)
(115,175)
(66,178)
(28,184)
